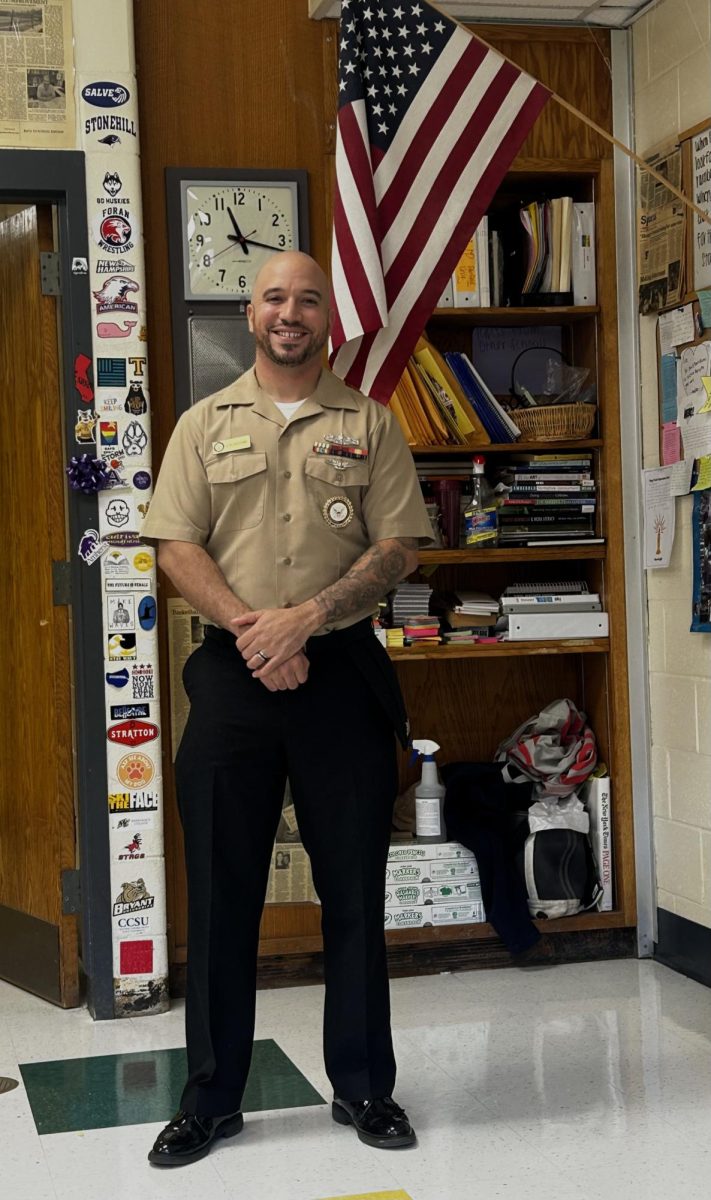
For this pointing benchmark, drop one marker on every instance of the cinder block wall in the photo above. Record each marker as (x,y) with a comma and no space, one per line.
(672,84)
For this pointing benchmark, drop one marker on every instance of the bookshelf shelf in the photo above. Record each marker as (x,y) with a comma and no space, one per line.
(554,315)
(512,554)
(501,649)
(508,448)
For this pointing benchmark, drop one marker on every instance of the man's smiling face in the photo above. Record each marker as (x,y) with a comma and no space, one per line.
(289,314)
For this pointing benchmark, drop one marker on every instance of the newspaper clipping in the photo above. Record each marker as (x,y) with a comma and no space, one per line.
(662,228)
(36,75)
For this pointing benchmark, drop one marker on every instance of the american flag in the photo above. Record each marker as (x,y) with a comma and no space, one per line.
(429,121)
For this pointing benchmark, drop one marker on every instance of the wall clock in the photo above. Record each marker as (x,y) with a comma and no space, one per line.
(222,227)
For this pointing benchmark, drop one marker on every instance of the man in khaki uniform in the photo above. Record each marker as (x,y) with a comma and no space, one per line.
(287,506)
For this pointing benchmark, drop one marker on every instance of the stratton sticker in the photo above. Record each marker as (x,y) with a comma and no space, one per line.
(132,733)
(105,94)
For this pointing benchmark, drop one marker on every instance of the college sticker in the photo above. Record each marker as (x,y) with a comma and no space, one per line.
(338,512)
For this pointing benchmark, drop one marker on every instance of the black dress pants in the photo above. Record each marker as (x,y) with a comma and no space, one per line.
(334,739)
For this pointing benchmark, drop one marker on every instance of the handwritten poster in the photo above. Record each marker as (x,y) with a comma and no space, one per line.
(701,182)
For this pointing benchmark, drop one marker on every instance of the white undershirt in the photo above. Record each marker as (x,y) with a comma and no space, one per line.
(288,409)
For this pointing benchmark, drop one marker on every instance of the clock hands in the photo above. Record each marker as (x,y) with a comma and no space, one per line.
(250,242)
(239,236)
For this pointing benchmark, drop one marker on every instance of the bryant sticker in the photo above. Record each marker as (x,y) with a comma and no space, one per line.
(338,512)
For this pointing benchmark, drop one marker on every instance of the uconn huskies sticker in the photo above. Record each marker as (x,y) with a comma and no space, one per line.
(105,94)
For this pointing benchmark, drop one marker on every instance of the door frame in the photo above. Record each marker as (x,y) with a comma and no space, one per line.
(58,177)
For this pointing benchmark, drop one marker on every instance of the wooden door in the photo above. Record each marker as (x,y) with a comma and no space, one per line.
(38,944)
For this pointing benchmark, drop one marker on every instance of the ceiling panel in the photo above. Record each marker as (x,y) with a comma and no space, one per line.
(611,13)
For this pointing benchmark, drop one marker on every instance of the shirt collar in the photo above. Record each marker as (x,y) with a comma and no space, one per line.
(330,393)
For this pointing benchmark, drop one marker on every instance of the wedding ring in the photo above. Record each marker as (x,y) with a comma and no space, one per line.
(264,657)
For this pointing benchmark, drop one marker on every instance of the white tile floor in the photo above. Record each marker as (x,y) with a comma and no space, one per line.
(558,1083)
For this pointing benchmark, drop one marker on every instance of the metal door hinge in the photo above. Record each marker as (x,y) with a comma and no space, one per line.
(49,273)
(61,582)
(71,891)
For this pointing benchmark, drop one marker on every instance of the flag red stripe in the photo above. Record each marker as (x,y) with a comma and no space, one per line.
(355,270)
(394,364)
(430,130)
(441,192)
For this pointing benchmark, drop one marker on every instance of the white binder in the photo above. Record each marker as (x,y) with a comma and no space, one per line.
(583,258)
(524,627)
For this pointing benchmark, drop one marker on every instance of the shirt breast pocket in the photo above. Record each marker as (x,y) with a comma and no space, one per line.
(325,480)
(238,486)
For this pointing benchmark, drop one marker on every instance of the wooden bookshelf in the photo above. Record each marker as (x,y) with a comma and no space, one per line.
(508,448)
(525,315)
(500,649)
(513,554)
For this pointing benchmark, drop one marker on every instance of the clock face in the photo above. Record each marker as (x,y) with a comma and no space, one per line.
(230,230)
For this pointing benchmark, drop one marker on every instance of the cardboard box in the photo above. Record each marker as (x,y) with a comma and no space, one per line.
(417,894)
(427,850)
(468,913)
(452,868)
(412,917)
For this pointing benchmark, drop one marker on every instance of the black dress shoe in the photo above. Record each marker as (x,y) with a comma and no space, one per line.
(380,1122)
(189,1137)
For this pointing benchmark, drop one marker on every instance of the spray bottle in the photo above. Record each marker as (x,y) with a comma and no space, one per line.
(429,796)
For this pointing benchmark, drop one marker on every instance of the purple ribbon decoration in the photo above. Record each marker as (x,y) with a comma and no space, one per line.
(86,474)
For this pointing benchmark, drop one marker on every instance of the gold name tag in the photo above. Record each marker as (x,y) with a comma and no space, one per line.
(237,443)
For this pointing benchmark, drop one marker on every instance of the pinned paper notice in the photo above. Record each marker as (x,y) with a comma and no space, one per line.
(676,328)
(659,516)
(704,297)
(671,444)
(706,407)
(704,479)
(668,378)
(693,365)
(374,1196)
(680,477)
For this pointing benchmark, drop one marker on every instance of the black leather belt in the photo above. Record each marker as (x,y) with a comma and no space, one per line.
(322,642)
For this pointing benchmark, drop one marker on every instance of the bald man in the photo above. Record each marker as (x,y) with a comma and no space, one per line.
(287,505)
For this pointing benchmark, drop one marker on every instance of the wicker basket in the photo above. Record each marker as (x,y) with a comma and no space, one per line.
(555,422)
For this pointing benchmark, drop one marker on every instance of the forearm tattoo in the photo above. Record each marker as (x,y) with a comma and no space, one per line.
(369,579)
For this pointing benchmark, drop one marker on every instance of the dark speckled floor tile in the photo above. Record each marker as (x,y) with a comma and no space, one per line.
(130,1089)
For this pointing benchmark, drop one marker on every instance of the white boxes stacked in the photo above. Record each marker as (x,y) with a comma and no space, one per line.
(432,884)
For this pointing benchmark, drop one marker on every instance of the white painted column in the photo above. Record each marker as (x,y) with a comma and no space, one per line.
(107,132)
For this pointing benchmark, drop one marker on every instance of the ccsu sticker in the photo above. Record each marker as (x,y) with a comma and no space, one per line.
(105,94)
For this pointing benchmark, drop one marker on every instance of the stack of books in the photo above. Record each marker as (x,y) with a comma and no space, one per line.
(470,616)
(395,638)
(547,499)
(496,421)
(411,600)
(431,406)
(421,630)
(549,228)
(549,611)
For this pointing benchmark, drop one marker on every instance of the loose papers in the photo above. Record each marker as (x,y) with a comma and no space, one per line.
(659,517)
(36,75)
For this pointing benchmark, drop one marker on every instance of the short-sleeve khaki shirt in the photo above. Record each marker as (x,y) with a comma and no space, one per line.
(282,521)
